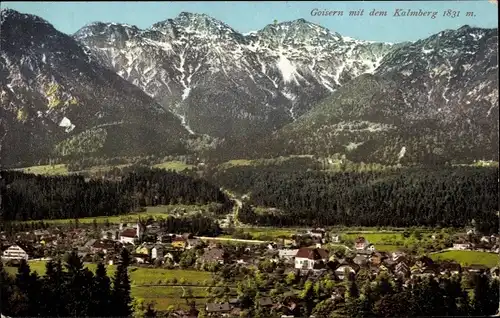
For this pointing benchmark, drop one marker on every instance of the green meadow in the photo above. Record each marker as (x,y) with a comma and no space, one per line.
(469,258)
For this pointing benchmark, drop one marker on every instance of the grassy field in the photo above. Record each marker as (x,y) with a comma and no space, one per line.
(260,233)
(50,170)
(165,296)
(62,169)
(138,275)
(387,247)
(469,257)
(173,165)
(374,238)
(236,163)
(151,211)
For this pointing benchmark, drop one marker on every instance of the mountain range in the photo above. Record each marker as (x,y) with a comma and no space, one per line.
(291,88)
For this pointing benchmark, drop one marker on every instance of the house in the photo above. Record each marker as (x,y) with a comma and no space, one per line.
(396,255)
(377,257)
(193,243)
(110,235)
(485,239)
(187,236)
(334,238)
(103,246)
(424,262)
(165,238)
(89,243)
(265,302)
(15,252)
(402,269)
(461,245)
(310,258)
(287,254)
(495,272)
(360,260)
(338,293)
(213,255)
(345,267)
(471,231)
(288,242)
(272,246)
(157,252)
(361,243)
(476,268)
(140,258)
(217,309)
(128,236)
(179,242)
(449,267)
(143,249)
(317,233)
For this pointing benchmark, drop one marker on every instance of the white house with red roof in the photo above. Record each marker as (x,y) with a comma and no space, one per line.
(310,258)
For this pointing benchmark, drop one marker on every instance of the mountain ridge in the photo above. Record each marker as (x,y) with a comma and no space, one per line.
(296,87)
(53,112)
(260,77)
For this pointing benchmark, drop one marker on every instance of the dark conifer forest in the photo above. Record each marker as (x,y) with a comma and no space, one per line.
(445,196)
(35,197)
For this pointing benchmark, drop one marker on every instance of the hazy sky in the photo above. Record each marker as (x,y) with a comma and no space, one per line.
(249,16)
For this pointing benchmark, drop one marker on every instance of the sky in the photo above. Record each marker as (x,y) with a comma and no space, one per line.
(69,17)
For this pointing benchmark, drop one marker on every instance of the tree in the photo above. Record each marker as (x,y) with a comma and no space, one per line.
(78,284)
(122,301)
(352,288)
(6,289)
(101,293)
(290,278)
(21,295)
(482,292)
(53,290)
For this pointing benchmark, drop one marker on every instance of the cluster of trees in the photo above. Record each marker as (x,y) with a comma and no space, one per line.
(34,197)
(358,295)
(68,290)
(447,197)
(197,224)
(424,297)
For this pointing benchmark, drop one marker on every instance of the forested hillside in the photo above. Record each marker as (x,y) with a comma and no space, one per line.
(33,197)
(447,196)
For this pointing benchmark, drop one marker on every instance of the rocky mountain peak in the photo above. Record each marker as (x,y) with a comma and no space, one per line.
(297,31)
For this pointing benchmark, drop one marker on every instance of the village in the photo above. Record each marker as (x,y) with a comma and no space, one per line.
(312,253)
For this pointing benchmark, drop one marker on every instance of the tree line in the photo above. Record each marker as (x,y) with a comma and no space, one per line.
(35,197)
(447,197)
(68,290)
